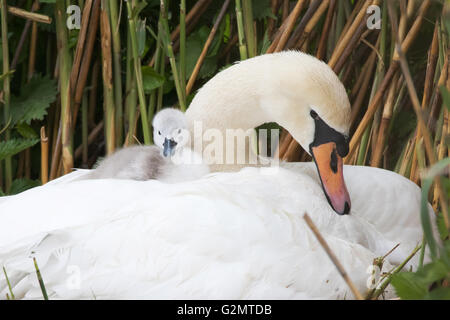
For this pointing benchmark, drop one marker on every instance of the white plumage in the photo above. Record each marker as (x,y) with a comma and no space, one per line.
(234,235)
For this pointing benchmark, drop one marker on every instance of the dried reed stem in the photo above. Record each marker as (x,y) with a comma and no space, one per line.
(208,42)
(36,17)
(64,81)
(107,71)
(333,257)
(44,156)
(290,25)
(387,78)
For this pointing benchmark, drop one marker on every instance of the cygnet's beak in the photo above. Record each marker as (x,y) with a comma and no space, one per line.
(169,147)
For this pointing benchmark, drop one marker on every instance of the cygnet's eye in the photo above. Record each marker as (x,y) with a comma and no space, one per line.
(159,132)
(179,131)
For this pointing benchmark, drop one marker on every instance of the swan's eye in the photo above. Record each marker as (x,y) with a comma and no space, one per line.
(159,132)
(179,131)
(314,115)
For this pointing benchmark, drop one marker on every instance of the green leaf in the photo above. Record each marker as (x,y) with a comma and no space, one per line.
(408,286)
(9,73)
(445,96)
(34,101)
(262,9)
(20,185)
(433,272)
(439,294)
(443,231)
(13,146)
(139,6)
(151,79)
(141,36)
(265,44)
(424,216)
(26,131)
(194,46)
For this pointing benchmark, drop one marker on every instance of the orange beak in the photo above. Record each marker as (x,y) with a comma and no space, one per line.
(330,167)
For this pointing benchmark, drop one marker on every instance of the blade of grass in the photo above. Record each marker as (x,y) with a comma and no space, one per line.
(9,284)
(41,281)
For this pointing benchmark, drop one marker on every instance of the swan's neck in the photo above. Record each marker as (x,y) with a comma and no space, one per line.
(281,88)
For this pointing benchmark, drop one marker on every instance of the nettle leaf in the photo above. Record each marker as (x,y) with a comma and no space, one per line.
(34,101)
(14,146)
(151,79)
(21,185)
(409,286)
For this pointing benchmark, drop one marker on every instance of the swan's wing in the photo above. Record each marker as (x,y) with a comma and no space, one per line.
(229,235)
(386,200)
(153,262)
(75,175)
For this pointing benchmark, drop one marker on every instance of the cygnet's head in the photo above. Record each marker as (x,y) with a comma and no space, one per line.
(170,130)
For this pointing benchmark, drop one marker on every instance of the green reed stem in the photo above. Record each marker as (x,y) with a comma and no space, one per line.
(138,75)
(183,49)
(131,96)
(117,71)
(164,26)
(249,28)
(6,90)
(241,31)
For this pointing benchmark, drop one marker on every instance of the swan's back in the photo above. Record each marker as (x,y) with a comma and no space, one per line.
(225,236)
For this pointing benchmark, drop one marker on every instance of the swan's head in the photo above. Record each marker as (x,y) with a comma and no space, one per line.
(304,95)
(170,130)
(295,90)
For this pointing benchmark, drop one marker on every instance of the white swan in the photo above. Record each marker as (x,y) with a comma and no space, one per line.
(228,235)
